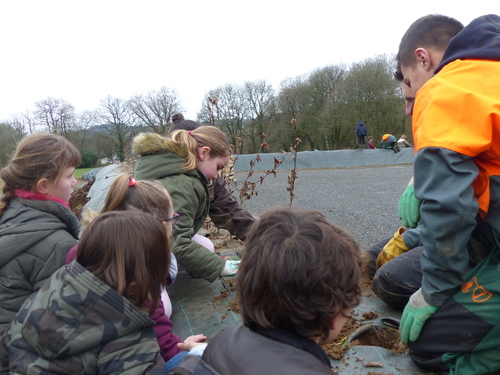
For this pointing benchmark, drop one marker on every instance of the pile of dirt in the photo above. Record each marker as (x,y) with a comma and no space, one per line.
(79,198)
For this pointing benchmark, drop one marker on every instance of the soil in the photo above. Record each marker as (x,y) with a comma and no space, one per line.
(79,198)
(227,245)
(387,338)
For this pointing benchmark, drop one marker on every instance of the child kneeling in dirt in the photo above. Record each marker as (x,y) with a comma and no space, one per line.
(298,282)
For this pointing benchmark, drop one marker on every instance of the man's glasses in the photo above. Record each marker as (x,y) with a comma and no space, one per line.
(174,219)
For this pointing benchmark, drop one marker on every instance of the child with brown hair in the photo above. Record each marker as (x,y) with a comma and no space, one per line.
(298,281)
(184,164)
(370,143)
(128,194)
(37,227)
(91,315)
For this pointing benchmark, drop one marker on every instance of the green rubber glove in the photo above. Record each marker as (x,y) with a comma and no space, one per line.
(415,314)
(409,207)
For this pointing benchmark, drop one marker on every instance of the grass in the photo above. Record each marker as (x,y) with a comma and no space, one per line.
(79,172)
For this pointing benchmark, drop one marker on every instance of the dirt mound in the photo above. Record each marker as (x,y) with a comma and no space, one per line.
(79,198)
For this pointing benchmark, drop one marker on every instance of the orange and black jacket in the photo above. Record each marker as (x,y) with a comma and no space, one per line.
(456,128)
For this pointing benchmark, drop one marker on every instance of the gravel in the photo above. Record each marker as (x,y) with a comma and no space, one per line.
(363,201)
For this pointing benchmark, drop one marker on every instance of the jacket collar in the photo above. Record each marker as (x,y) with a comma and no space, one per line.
(296,341)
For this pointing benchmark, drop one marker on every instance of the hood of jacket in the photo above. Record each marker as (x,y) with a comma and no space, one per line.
(480,40)
(75,312)
(27,222)
(159,157)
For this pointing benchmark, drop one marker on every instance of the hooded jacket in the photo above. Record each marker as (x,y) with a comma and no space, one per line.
(35,237)
(456,128)
(78,324)
(361,129)
(162,160)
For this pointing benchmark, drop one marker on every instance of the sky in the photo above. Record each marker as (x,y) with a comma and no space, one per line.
(83,51)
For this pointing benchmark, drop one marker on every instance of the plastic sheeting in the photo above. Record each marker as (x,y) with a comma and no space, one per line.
(327,159)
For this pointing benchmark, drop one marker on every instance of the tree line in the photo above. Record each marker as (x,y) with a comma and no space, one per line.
(326,103)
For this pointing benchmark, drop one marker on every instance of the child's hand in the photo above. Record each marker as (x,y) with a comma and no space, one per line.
(191,342)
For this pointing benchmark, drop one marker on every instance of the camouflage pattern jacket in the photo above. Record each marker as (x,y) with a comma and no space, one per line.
(78,324)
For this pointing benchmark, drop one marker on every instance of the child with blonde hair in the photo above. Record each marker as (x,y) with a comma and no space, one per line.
(37,227)
(128,194)
(184,164)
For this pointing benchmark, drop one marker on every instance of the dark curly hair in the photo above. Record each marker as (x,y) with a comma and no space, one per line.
(297,273)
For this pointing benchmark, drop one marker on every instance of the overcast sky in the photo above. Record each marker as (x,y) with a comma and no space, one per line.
(82,51)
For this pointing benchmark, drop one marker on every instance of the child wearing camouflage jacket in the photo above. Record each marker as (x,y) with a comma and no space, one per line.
(91,315)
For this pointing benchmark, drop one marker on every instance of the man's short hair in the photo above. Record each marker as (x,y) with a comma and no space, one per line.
(431,31)
(297,273)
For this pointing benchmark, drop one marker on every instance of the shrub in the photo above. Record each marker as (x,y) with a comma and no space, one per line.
(89,158)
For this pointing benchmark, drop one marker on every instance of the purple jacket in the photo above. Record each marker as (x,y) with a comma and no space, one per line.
(167,341)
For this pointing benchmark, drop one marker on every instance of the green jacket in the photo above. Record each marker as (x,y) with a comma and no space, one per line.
(78,324)
(35,237)
(162,160)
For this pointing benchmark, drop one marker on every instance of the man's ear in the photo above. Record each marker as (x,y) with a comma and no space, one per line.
(424,58)
(203,152)
(42,186)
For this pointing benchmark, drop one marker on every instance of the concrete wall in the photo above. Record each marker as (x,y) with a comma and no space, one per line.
(328,159)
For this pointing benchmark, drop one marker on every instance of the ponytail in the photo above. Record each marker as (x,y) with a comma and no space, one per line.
(204,136)
(128,194)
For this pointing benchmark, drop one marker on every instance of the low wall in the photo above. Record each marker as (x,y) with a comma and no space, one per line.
(328,159)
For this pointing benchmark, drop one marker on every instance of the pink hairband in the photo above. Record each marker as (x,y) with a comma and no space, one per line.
(131,182)
(190,133)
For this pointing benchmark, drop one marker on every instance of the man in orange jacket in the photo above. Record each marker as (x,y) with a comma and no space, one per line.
(451,323)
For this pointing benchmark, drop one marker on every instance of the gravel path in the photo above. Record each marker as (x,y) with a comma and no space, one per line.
(363,201)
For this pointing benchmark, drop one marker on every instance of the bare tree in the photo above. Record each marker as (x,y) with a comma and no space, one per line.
(230,110)
(117,119)
(57,115)
(25,122)
(260,100)
(80,133)
(156,108)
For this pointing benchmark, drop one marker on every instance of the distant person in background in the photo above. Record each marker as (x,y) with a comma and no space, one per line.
(225,212)
(361,132)
(370,142)
(178,117)
(403,141)
(390,142)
